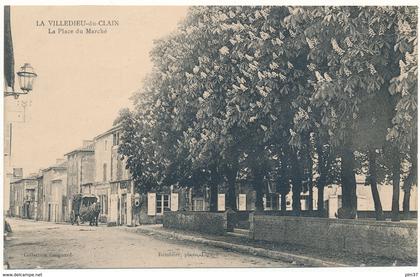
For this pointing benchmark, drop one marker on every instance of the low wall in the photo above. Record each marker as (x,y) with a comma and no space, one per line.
(387,214)
(203,222)
(388,239)
(314,213)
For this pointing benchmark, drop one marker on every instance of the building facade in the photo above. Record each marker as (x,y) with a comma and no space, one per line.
(55,190)
(80,172)
(24,198)
(102,173)
(112,181)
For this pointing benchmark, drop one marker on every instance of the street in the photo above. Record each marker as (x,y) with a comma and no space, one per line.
(48,245)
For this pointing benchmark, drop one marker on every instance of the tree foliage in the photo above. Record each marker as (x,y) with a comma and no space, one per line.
(283,95)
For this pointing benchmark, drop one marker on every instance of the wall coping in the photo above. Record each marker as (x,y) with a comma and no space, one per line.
(344,221)
(195,212)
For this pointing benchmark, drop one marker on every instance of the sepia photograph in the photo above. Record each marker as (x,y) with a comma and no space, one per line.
(210,136)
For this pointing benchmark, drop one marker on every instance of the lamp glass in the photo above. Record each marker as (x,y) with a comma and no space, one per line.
(26,77)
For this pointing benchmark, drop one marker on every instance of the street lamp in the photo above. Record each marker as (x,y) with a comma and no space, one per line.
(26,76)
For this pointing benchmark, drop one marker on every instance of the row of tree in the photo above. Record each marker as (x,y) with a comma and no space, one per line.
(292,96)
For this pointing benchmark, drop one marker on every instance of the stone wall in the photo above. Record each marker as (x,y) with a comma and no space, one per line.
(203,222)
(387,214)
(388,239)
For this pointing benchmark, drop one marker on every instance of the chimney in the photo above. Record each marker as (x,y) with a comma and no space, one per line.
(17,173)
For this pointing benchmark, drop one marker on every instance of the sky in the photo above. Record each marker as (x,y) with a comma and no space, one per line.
(83,79)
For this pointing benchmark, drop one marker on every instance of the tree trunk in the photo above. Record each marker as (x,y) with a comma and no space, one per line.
(309,165)
(321,180)
(406,204)
(258,187)
(276,202)
(373,185)
(310,182)
(213,188)
(323,167)
(409,181)
(259,204)
(213,197)
(348,185)
(283,186)
(320,199)
(396,167)
(296,183)
(311,197)
(231,173)
(283,201)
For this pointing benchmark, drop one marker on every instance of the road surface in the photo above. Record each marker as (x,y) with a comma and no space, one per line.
(48,245)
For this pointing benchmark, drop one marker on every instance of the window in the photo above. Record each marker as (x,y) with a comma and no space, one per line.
(198,204)
(106,142)
(269,202)
(162,203)
(30,194)
(166,203)
(104,172)
(159,204)
(116,138)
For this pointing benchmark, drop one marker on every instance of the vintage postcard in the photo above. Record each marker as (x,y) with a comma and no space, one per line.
(231,136)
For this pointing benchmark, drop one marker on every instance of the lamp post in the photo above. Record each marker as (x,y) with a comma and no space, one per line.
(26,76)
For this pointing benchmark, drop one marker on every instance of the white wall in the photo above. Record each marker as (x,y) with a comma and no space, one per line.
(103,155)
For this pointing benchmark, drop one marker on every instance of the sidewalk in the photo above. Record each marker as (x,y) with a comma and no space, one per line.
(237,244)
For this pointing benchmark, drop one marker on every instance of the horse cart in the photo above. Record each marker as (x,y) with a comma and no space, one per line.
(85,208)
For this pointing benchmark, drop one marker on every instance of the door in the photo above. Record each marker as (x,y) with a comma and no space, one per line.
(28,210)
(123,209)
(49,212)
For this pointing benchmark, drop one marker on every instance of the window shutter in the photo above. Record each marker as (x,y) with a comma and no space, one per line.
(174,201)
(242,202)
(151,203)
(221,202)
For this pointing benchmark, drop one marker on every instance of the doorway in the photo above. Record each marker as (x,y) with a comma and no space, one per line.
(124,209)
(49,212)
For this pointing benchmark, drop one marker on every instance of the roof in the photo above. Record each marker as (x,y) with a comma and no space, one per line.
(29,178)
(110,131)
(87,148)
(62,165)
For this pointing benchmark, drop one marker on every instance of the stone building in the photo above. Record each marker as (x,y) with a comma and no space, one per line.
(102,173)
(122,189)
(24,197)
(80,172)
(55,190)
(112,181)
